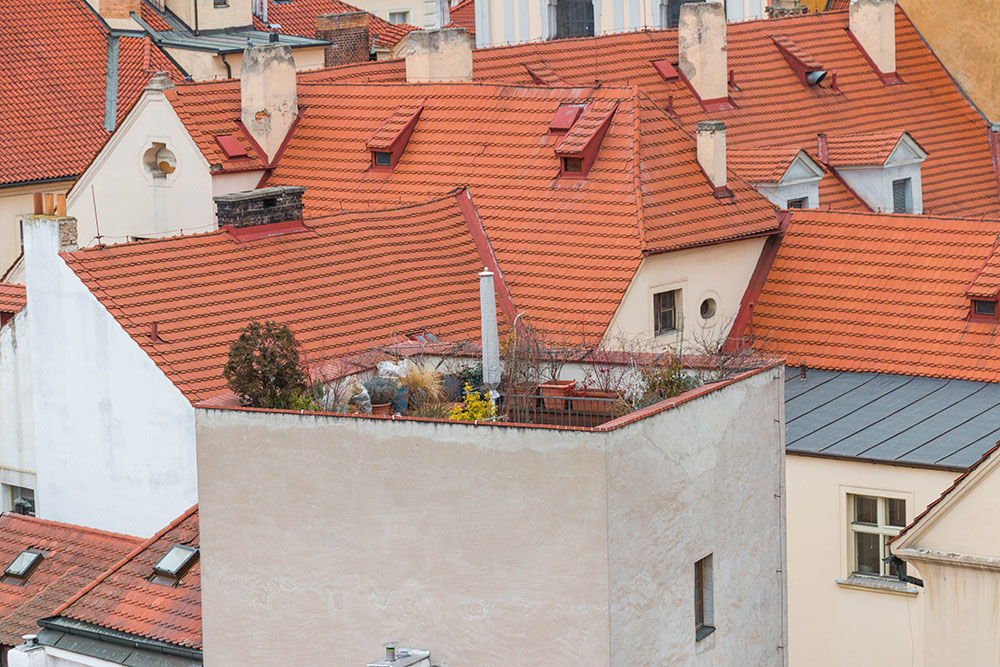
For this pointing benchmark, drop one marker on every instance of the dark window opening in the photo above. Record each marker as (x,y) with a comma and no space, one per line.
(704,603)
(573,165)
(270,202)
(670,12)
(383,159)
(20,500)
(574,18)
(798,203)
(901,196)
(665,311)
(986,308)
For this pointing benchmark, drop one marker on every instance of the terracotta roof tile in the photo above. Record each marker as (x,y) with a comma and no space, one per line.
(853,150)
(762,165)
(881,293)
(298,17)
(355,280)
(152,17)
(209,111)
(12,297)
(75,556)
(463,15)
(775,109)
(124,599)
(59,64)
(386,135)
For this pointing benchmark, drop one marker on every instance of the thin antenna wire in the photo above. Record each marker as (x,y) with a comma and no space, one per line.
(97,222)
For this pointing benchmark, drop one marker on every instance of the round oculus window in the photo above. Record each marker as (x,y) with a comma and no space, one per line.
(708,309)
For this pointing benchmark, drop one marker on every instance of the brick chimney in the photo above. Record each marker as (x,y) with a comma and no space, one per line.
(259,207)
(712,152)
(119,9)
(438,55)
(873,27)
(701,43)
(349,34)
(268,95)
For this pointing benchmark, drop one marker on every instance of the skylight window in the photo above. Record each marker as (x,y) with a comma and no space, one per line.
(22,566)
(176,561)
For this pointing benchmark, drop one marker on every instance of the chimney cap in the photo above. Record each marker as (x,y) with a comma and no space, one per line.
(710,126)
(160,81)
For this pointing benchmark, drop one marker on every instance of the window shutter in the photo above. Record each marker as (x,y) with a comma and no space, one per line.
(899,196)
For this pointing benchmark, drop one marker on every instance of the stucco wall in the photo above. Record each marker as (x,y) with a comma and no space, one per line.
(114,438)
(206,66)
(492,546)
(963,36)
(130,201)
(720,272)
(17,449)
(15,202)
(834,625)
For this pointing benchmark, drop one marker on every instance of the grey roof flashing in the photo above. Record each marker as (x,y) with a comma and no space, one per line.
(223,41)
(113,646)
(892,419)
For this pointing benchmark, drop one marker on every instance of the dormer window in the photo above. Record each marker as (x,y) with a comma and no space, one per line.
(578,149)
(881,168)
(21,567)
(902,196)
(984,308)
(389,141)
(573,165)
(174,565)
(789,178)
(382,158)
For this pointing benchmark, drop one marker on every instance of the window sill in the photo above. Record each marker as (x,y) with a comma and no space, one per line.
(703,632)
(877,585)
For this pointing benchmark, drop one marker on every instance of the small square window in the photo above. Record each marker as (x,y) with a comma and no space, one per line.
(19,500)
(665,307)
(399,17)
(704,598)
(383,159)
(801,202)
(573,165)
(983,307)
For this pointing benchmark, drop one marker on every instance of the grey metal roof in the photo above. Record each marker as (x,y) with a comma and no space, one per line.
(229,40)
(899,419)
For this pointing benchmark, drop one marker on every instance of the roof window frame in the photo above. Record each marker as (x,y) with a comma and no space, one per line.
(173,577)
(20,577)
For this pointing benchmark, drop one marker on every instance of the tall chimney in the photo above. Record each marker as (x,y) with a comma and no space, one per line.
(488,330)
(349,33)
(438,55)
(712,151)
(873,26)
(268,95)
(701,44)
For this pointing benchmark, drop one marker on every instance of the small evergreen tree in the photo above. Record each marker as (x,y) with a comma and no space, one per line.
(263,367)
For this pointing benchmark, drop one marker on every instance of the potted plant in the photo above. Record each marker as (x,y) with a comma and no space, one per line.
(422,384)
(381,391)
(554,393)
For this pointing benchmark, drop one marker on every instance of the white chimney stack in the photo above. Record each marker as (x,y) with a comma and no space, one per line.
(268,95)
(701,43)
(873,25)
(712,151)
(490,335)
(438,55)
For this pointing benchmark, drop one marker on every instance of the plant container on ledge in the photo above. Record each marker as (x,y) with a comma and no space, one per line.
(554,393)
(603,403)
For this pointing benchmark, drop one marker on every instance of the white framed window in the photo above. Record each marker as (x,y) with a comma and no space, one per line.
(18,499)
(399,16)
(666,311)
(871,522)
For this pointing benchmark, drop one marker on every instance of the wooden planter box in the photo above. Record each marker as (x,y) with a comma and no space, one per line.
(554,393)
(604,408)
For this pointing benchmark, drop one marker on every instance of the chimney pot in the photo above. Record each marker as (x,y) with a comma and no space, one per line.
(701,43)
(711,136)
(873,25)
(269,100)
(390,651)
(37,203)
(48,204)
(438,55)
(160,81)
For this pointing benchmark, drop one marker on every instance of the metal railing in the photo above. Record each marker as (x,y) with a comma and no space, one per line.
(587,411)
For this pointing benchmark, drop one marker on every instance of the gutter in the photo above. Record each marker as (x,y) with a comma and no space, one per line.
(98,633)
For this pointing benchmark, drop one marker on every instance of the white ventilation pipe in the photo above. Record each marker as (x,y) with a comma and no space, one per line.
(489,333)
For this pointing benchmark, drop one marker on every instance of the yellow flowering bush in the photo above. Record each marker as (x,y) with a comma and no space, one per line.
(474,408)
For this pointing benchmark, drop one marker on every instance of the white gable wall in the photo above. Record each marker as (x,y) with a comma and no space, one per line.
(114,437)
(17,443)
(130,201)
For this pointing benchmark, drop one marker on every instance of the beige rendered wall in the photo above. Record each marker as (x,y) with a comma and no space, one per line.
(15,202)
(235,13)
(493,546)
(963,35)
(720,272)
(829,624)
(204,66)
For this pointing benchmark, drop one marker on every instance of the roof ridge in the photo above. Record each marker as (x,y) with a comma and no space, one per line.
(640,215)
(68,526)
(117,566)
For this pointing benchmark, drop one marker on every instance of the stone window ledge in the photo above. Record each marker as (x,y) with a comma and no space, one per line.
(878,585)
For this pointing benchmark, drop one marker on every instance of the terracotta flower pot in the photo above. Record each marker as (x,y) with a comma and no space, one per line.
(554,393)
(605,408)
(382,409)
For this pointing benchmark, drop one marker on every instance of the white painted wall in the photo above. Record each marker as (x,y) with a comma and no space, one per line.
(834,625)
(17,445)
(130,201)
(15,202)
(874,185)
(720,272)
(114,437)
(491,545)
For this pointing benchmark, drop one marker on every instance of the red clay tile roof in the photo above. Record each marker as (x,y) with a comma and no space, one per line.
(298,17)
(837,5)
(881,293)
(123,599)
(987,283)
(854,150)
(210,110)
(463,15)
(762,165)
(12,297)
(386,136)
(75,557)
(55,61)
(355,280)
(775,109)
(569,247)
(152,18)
